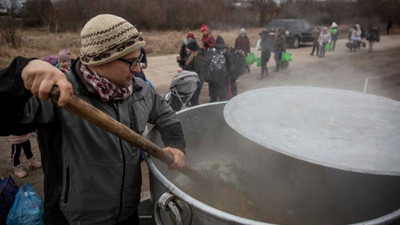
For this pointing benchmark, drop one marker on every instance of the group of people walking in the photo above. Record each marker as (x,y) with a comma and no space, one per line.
(220,65)
(357,37)
(212,62)
(324,37)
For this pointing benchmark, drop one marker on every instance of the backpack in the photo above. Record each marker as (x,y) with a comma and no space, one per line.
(217,69)
(8,190)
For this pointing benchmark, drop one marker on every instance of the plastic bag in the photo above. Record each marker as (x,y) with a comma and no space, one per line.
(329,47)
(27,208)
(258,60)
(8,190)
(286,57)
(250,59)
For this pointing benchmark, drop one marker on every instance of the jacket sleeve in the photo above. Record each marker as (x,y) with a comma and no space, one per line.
(21,113)
(166,122)
(13,95)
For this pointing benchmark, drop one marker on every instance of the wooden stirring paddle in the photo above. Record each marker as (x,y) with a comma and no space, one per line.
(88,112)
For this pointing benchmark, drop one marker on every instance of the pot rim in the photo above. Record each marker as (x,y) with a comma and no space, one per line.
(224,215)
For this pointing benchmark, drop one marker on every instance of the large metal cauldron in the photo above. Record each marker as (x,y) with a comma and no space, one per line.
(274,188)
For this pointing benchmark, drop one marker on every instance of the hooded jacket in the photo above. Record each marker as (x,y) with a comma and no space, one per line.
(92,176)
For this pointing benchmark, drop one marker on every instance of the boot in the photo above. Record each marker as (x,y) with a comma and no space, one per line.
(276,69)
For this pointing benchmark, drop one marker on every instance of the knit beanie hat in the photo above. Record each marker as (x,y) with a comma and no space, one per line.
(220,41)
(243,31)
(192,45)
(64,57)
(190,35)
(334,25)
(106,37)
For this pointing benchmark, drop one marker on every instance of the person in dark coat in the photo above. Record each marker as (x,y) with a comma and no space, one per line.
(219,71)
(267,45)
(242,42)
(191,64)
(373,36)
(315,46)
(389,26)
(86,169)
(279,47)
(182,53)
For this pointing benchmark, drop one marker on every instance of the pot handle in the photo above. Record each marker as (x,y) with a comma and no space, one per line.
(179,211)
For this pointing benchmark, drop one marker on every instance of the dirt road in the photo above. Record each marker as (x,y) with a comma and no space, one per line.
(339,69)
(377,73)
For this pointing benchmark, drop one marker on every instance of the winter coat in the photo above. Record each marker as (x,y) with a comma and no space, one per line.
(93,176)
(208,40)
(373,35)
(279,42)
(355,34)
(243,43)
(317,33)
(220,75)
(324,38)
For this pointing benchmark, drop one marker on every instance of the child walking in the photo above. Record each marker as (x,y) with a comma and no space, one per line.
(18,143)
(323,39)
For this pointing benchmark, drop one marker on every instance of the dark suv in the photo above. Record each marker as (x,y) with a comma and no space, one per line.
(296,30)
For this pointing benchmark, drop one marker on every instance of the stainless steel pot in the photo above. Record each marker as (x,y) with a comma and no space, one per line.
(274,188)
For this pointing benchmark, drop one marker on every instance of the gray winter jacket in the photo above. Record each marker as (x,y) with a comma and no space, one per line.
(101,176)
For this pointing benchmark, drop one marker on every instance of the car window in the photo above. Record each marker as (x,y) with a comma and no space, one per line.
(276,23)
(307,26)
(299,25)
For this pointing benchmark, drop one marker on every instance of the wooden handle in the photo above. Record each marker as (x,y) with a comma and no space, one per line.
(106,122)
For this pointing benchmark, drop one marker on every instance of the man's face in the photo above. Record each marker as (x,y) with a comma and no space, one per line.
(118,72)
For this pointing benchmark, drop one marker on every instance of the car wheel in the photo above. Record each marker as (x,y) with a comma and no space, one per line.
(296,42)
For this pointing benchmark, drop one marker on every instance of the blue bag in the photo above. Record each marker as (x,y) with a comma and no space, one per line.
(8,190)
(27,208)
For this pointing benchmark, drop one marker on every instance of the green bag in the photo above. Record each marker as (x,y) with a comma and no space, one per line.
(329,47)
(286,57)
(250,59)
(258,60)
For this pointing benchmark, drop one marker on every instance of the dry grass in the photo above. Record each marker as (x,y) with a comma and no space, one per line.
(39,43)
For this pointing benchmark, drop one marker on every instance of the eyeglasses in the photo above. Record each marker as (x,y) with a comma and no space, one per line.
(132,64)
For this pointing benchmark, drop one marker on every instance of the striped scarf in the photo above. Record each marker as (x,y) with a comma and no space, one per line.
(106,89)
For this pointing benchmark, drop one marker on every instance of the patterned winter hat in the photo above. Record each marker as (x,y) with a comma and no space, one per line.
(106,37)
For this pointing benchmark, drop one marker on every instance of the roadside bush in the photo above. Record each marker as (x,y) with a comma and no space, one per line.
(9,33)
